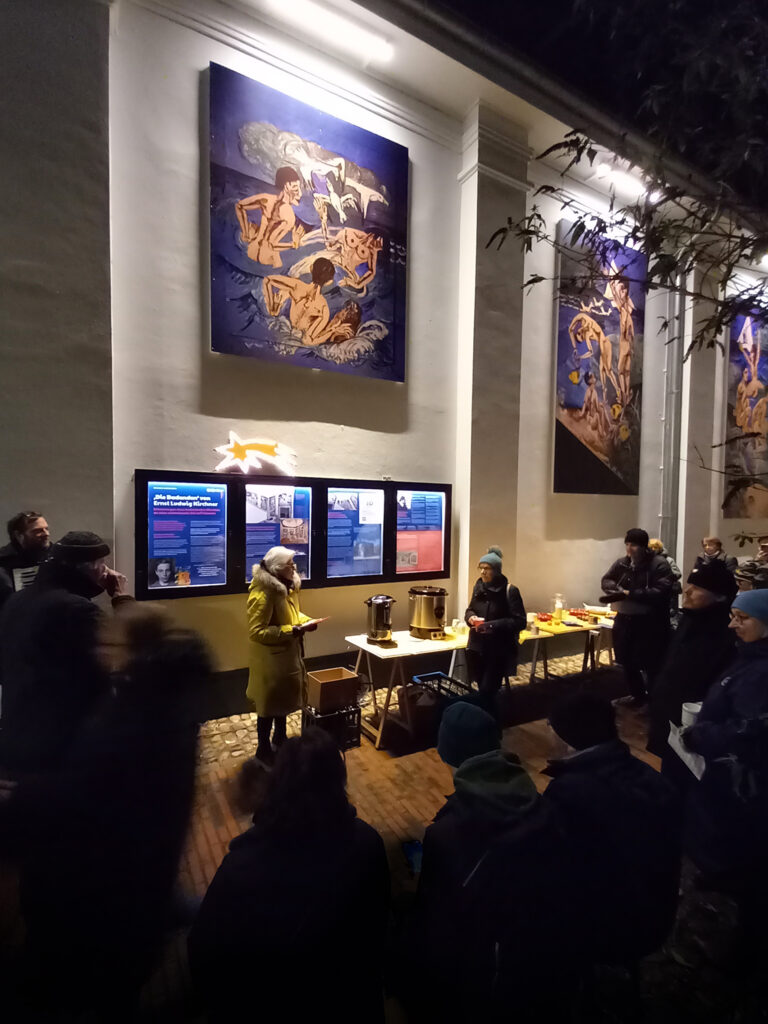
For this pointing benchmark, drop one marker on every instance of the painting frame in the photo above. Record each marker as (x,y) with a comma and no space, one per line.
(746,429)
(599,327)
(308,234)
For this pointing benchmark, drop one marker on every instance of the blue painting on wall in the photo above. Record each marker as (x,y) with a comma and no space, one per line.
(746,464)
(308,234)
(600,324)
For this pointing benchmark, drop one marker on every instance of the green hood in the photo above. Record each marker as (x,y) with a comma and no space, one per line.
(493,786)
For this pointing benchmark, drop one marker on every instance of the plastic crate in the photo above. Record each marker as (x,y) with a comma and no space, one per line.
(343,726)
(443,685)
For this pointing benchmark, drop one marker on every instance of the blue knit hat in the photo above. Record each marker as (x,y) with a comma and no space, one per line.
(466,731)
(754,603)
(492,557)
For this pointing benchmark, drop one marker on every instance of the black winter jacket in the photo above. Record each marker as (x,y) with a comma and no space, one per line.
(288,912)
(98,840)
(621,823)
(502,608)
(48,668)
(650,582)
(728,812)
(701,649)
(14,557)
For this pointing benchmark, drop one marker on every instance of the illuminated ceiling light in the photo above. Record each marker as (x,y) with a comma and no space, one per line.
(620,180)
(655,196)
(331,27)
(764,262)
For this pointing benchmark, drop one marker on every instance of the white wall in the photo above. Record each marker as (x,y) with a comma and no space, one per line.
(174,400)
(56,407)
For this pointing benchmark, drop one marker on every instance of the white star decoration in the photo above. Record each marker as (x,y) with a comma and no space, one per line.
(250,454)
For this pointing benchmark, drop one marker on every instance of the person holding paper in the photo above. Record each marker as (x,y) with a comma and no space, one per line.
(727,834)
(640,585)
(276,628)
(701,649)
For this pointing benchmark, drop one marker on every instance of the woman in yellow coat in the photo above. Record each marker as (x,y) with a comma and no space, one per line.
(276,627)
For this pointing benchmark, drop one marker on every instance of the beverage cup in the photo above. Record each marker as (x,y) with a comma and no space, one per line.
(533,629)
(690,712)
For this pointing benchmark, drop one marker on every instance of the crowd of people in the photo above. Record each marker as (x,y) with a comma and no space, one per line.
(521,893)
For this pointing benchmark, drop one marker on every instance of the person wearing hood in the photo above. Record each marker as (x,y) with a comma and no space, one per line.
(276,628)
(29,546)
(492,792)
(727,822)
(701,649)
(496,616)
(50,674)
(619,822)
(301,899)
(640,585)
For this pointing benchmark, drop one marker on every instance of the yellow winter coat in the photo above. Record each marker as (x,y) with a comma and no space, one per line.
(277,677)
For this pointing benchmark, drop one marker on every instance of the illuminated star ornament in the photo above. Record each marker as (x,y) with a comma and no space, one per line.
(251,454)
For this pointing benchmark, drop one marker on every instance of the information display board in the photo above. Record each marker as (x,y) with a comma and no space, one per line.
(355,535)
(420,531)
(186,534)
(278,514)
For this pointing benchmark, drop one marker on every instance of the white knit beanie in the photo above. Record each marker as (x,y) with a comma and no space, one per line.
(276,558)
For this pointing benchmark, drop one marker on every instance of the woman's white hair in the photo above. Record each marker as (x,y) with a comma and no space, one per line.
(276,558)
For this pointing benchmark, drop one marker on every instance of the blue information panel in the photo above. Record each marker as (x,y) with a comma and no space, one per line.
(278,515)
(187,541)
(355,532)
(420,531)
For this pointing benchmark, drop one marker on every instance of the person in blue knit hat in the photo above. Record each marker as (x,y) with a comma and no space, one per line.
(727,826)
(495,615)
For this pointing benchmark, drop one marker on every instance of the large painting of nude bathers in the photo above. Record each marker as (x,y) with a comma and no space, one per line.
(746,448)
(308,234)
(600,313)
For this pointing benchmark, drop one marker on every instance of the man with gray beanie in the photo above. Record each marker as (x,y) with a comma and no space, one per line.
(51,676)
(639,585)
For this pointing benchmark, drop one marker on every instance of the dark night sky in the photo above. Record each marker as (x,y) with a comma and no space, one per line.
(612,61)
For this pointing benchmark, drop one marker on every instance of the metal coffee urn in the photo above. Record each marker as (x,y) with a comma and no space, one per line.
(426,607)
(380,618)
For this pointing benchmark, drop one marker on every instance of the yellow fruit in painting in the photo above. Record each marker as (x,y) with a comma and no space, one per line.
(573,377)
(624,432)
(616,410)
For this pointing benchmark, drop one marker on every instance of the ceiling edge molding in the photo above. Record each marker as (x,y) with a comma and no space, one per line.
(413,116)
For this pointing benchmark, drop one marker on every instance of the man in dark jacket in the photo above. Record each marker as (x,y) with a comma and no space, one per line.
(701,649)
(50,675)
(619,818)
(29,545)
(640,584)
(496,616)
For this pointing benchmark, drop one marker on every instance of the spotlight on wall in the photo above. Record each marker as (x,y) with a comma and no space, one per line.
(331,27)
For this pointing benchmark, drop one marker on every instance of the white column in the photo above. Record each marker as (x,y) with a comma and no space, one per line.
(493,188)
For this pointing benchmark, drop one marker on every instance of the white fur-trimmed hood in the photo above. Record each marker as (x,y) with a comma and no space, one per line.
(271,584)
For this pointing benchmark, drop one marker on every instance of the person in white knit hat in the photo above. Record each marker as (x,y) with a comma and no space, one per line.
(276,628)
